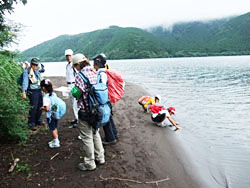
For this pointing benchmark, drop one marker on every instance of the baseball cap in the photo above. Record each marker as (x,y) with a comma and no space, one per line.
(101,58)
(35,61)
(68,52)
(77,58)
(171,109)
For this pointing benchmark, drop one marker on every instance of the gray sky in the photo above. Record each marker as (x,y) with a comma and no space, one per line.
(47,19)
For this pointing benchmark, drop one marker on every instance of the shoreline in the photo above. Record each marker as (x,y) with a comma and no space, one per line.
(144,156)
(180,174)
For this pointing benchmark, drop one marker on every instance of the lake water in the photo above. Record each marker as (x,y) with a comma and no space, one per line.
(212,100)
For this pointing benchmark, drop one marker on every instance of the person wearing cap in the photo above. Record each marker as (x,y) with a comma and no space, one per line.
(70,79)
(162,116)
(93,150)
(31,87)
(110,130)
(146,101)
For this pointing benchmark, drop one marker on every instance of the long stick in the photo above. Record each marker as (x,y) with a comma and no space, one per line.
(135,181)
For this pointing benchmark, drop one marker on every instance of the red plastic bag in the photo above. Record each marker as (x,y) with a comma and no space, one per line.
(116,85)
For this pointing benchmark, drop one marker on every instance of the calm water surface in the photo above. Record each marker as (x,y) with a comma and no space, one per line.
(212,99)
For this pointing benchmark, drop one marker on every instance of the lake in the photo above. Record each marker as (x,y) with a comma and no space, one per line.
(212,100)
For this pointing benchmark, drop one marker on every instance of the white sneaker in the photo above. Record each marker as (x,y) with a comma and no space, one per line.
(79,137)
(54,144)
(52,141)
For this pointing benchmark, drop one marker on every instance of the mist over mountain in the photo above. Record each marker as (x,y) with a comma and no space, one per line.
(229,36)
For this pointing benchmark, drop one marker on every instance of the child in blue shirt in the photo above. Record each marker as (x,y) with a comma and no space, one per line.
(47,88)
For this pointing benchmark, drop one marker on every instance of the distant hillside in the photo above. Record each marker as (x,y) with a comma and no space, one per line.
(229,36)
(115,42)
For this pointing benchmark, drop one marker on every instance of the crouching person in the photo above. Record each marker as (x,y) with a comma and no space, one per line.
(93,150)
(162,116)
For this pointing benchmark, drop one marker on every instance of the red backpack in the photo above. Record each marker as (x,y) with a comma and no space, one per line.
(156,108)
(116,85)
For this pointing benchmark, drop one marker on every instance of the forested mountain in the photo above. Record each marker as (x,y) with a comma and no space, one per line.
(115,42)
(230,36)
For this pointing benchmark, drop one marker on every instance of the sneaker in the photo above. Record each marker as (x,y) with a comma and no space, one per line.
(79,137)
(74,122)
(83,167)
(54,145)
(52,141)
(100,162)
(109,143)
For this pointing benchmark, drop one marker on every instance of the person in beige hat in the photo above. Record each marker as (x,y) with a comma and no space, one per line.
(93,150)
(70,79)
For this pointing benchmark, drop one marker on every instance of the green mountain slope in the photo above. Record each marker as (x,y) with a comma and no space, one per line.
(229,36)
(115,42)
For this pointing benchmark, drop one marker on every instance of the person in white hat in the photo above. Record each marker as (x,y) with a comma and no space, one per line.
(70,79)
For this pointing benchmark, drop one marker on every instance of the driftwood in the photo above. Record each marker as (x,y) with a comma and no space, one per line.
(12,167)
(54,156)
(134,181)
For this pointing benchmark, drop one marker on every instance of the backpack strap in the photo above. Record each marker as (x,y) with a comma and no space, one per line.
(85,80)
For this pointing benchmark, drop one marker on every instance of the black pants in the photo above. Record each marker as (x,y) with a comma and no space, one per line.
(110,130)
(36,102)
(159,118)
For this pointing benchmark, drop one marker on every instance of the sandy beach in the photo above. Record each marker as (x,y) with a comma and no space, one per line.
(144,156)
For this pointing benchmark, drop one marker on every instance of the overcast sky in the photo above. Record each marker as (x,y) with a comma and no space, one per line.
(47,19)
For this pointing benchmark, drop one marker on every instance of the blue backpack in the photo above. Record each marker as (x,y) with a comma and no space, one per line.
(58,106)
(99,105)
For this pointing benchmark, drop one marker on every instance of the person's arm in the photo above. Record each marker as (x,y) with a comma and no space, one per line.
(174,123)
(46,104)
(45,108)
(25,83)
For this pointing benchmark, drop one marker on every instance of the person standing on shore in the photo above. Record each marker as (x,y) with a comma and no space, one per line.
(93,150)
(47,88)
(70,79)
(31,79)
(110,130)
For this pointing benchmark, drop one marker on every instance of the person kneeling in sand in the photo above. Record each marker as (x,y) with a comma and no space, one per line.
(162,116)
(146,101)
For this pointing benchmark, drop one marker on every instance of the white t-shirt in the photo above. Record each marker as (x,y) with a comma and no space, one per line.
(103,75)
(47,102)
(70,77)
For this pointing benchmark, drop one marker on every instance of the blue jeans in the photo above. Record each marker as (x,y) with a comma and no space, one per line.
(36,102)
(110,130)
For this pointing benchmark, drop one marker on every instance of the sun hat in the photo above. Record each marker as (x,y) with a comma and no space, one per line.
(35,61)
(158,97)
(77,58)
(171,109)
(68,52)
